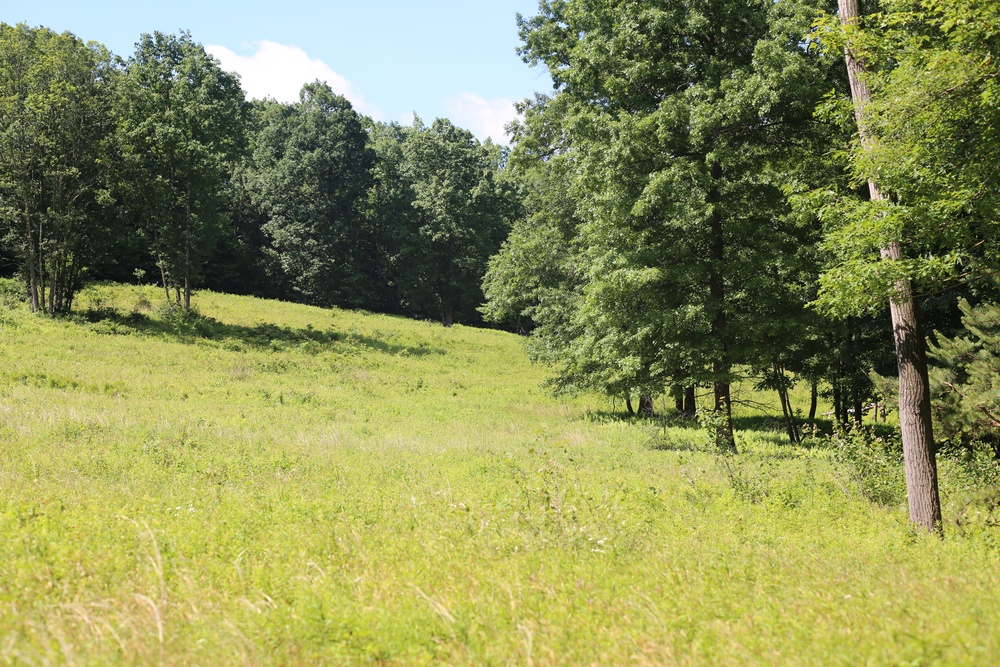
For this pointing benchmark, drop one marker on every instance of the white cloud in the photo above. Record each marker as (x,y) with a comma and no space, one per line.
(279,71)
(484,118)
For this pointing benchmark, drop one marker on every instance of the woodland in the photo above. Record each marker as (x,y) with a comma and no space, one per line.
(717,381)
(792,193)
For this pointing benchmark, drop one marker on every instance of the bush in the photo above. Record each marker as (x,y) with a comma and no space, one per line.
(12,292)
(873,461)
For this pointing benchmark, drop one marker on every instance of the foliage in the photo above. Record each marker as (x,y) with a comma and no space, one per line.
(677,129)
(934,123)
(311,171)
(964,379)
(55,129)
(464,209)
(181,124)
(874,462)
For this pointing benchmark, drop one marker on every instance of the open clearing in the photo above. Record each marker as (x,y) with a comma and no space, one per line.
(278,484)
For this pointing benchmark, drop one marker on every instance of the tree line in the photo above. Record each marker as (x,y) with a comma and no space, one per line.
(155,167)
(714,191)
(718,190)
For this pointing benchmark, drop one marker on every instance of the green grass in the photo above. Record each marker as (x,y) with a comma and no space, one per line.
(278,484)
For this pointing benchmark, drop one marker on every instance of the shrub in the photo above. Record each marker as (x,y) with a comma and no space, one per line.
(873,461)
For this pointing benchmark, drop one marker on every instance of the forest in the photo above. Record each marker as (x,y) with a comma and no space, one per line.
(717,209)
(709,192)
(156,169)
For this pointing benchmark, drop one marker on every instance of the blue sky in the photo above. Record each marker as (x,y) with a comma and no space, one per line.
(450,58)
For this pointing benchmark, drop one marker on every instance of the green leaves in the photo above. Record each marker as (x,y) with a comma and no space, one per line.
(463,206)
(653,179)
(55,145)
(181,126)
(310,175)
(934,140)
(966,396)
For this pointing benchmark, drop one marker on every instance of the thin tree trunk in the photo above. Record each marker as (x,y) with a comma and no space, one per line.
(163,278)
(813,401)
(786,404)
(188,234)
(690,404)
(914,388)
(724,437)
(628,404)
(32,274)
(793,427)
(43,298)
(836,401)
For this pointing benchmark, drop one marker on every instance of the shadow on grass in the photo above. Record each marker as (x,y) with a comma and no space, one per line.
(619,416)
(674,432)
(189,327)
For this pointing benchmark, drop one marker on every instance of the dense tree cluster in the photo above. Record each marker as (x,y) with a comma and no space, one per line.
(774,190)
(719,188)
(157,166)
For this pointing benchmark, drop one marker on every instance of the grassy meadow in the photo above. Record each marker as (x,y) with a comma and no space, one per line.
(277,484)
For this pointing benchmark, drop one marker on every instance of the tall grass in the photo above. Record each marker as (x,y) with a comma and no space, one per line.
(267,483)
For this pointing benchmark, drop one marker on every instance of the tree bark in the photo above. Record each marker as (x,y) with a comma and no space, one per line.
(188,240)
(163,278)
(724,437)
(646,406)
(628,404)
(813,401)
(690,404)
(33,297)
(914,388)
(786,404)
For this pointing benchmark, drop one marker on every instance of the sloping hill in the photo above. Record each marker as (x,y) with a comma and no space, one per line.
(269,483)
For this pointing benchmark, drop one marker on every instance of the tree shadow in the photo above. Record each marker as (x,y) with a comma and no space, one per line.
(674,432)
(624,417)
(191,327)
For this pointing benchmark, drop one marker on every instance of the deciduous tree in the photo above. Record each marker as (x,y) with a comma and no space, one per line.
(181,123)
(311,174)
(55,130)
(679,121)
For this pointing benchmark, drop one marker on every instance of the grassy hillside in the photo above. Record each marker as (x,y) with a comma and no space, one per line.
(278,484)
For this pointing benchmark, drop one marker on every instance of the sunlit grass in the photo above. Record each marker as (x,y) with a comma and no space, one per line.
(276,484)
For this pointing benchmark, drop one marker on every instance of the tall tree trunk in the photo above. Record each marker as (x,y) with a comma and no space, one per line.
(813,401)
(628,404)
(914,388)
(43,298)
(163,277)
(33,297)
(690,404)
(187,276)
(188,240)
(646,406)
(724,437)
(786,404)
